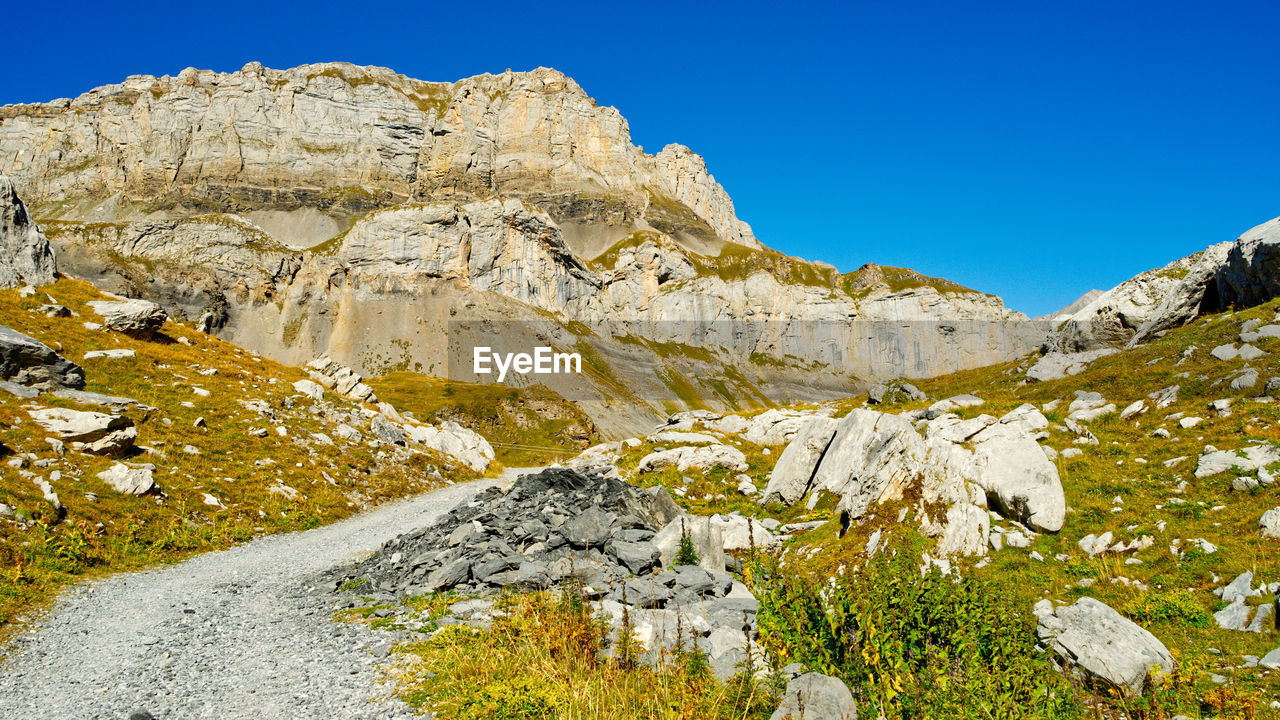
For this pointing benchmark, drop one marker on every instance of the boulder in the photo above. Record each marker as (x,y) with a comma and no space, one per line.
(1056,365)
(813,696)
(739,533)
(27,361)
(78,425)
(25,255)
(386,431)
(1107,647)
(455,441)
(129,479)
(708,541)
(792,474)
(135,317)
(1247,459)
(687,458)
(309,388)
(1269,524)
(340,379)
(117,443)
(1020,481)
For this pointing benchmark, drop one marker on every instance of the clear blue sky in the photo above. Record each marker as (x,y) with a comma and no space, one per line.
(1034,150)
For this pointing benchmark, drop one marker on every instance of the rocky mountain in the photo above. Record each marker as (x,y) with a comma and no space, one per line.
(1074,307)
(1238,274)
(350,211)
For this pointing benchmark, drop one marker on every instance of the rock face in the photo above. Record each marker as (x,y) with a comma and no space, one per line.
(25,255)
(1106,646)
(963,465)
(793,473)
(27,361)
(1243,273)
(365,215)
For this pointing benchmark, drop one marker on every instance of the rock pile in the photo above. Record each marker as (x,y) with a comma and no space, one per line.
(870,457)
(340,379)
(562,527)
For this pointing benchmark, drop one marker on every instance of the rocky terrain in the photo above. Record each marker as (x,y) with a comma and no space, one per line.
(300,211)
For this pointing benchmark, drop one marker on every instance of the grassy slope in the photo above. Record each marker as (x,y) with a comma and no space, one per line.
(119,532)
(527,426)
(1129,464)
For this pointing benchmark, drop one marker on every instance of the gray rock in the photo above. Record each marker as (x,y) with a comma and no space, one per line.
(386,431)
(590,528)
(129,479)
(1269,523)
(1271,660)
(115,354)
(78,425)
(1056,365)
(813,696)
(135,317)
(704,457)
(1246,379)
(638,557)
(22,392)
(707,539)
(25,255)
(1102,643)
(793,473)
(1225,352)
(93,398)
(27,361)
(1235,616)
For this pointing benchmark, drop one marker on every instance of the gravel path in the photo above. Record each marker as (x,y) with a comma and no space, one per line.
(229,634)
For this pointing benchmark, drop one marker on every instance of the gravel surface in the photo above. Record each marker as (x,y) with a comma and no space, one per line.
(238,633)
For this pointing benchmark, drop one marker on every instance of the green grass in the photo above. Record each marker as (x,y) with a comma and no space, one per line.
(527,426)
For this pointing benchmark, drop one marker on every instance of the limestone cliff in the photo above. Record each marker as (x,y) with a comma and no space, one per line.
(391,222)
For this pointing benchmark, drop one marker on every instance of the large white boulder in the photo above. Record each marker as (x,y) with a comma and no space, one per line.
(1107,647)
(689,458)
(140,318)
(78,425)
(708,541)
(454,440)
(129,479)
(794,470)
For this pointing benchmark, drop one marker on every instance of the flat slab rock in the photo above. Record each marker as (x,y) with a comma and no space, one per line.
(1107,647)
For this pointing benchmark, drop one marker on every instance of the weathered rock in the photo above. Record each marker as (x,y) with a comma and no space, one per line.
(386,431)
(78,425)
(793,473)
(27,361)
(1269,524)
(310,389)
(687,458)
(135,317)
(708,541)
(813,696)
(340,379)
(1247,459)
(454,440)
(117,443)
(1106,646)
(129,479)
(1055,365)
(25,255)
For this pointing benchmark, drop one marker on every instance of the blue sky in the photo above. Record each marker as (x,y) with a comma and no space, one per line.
(1033,150)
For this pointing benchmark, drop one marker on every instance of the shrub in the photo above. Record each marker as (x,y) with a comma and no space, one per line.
(912,644)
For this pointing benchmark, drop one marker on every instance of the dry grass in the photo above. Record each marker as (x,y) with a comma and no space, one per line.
(46,549)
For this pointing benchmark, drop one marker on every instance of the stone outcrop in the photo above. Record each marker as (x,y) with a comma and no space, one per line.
(27,361)
(1243,273)
(1109,649)
(25,255)
(814,696)
(139,318)
(340,379)
(960,466)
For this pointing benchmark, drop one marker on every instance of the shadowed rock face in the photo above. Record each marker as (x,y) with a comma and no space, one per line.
(389,222)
